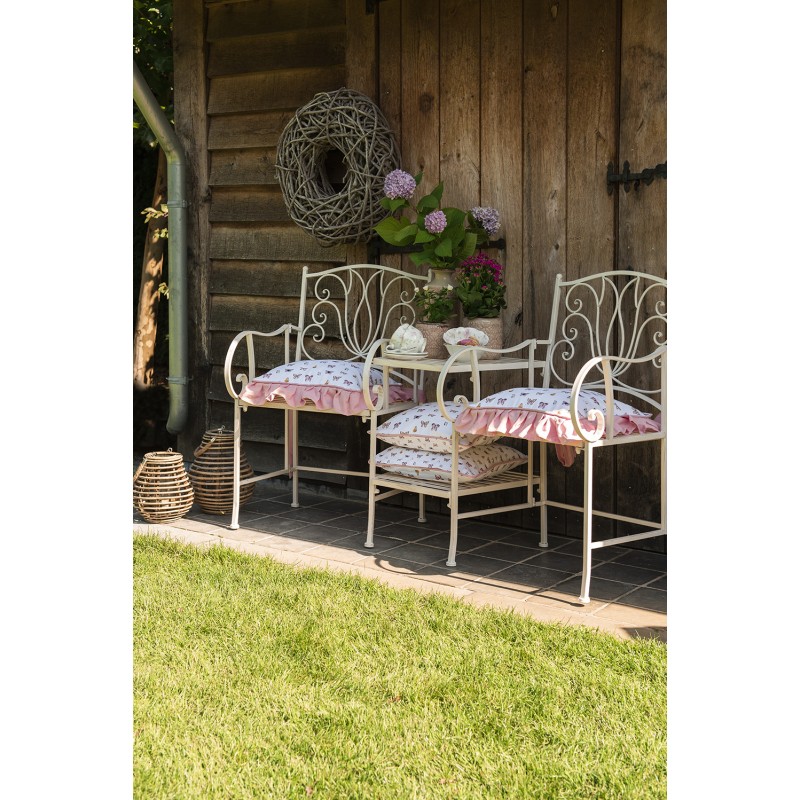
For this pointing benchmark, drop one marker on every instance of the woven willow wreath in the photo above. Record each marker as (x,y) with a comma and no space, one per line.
(351,123)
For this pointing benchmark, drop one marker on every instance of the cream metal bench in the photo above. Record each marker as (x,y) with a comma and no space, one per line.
(343,311)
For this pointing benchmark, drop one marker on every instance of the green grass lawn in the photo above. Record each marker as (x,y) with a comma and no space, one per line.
(254,679)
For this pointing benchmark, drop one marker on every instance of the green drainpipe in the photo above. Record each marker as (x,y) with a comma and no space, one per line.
(176,250)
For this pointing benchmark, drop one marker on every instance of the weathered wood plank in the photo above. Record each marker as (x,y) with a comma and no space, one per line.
(501,153)
(274,278)
(460,85)
(591,135)
(250,204)
(389,59)
(237,131)
(312,47)
(643,135)
(255,166)
(270,243)
(642,236)
(420,82)
(544,166)
(591,142)
(237,313)
(277,89)
(360,71)
(268,352)
(544,185)
(190,126)
(267,16)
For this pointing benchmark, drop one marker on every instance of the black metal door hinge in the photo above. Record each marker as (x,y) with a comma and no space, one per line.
(626,177)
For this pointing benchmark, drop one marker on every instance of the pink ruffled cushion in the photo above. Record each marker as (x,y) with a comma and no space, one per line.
(549,422)
(328,384)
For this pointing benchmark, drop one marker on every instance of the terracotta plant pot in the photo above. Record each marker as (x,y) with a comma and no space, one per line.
(493,328)
(433,333)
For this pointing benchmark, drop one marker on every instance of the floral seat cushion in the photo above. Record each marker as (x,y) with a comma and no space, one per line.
(424,428)
(328,384)
(543,415)
(475,463)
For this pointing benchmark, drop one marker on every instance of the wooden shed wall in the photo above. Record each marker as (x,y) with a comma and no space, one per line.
(518,104)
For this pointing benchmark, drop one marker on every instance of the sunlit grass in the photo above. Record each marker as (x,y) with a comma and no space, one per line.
(254,679)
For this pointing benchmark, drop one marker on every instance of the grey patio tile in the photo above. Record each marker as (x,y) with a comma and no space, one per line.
(574,547)
(265,507)
(615,571)
(531,538)
(658,583)
(433,522)
(275,524)
(645,597)
(313,533)
(478,566)
(310,514)
(418,553)
(406,532)
(601,591)
(442,539)
(334,552)
(639,558)
(485,530)
(191,524)
(526,577)
(632,616)
(399,566)
(555,559)
(356,542)
(244,535)
(223,520)
(342,506)
(385,515)
(502,550)
(347,524)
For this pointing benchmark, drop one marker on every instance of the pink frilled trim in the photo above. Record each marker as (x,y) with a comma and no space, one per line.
(348,403)
(539,426)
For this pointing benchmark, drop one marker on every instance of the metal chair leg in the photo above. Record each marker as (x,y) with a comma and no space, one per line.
(587,522)
(237,471)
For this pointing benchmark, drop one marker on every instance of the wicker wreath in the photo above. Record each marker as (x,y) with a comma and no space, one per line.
(348,122)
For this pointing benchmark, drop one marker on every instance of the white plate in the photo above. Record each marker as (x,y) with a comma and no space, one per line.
(404,354)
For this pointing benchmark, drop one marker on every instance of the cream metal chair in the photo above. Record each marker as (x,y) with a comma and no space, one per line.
(608,335)
(345,310)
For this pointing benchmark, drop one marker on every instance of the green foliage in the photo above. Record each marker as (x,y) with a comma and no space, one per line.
(480,287)
(152,50)
(434,305)
(441,248)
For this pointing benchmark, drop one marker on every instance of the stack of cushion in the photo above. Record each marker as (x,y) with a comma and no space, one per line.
(421,447)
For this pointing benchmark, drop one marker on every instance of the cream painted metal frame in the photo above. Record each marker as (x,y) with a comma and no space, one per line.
(616,322)
(354,305)
(385,485)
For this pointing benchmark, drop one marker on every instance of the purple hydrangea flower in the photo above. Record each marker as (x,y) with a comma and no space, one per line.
(435,222)
(399,184)
(488,217)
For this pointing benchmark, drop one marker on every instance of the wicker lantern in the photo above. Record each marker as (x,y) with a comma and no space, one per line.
(162,491)
(211,473)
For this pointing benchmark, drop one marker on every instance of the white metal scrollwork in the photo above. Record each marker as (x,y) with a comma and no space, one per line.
(356,304)
(620,313)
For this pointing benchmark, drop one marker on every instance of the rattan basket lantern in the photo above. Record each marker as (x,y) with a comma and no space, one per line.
(162,491)
(211,473)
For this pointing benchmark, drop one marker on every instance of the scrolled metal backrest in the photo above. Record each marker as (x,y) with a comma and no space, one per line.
(618,313)
(355,304)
